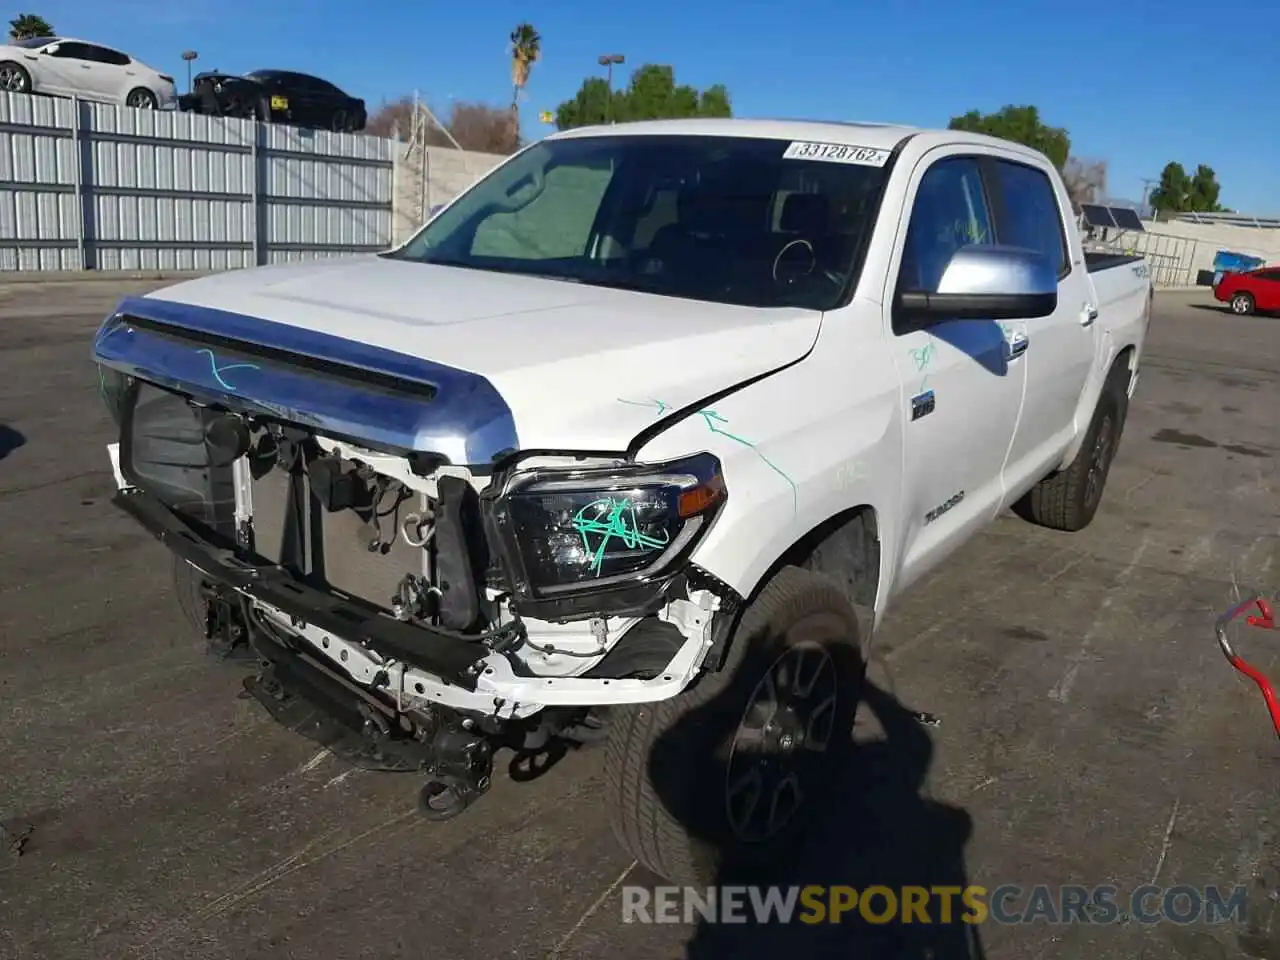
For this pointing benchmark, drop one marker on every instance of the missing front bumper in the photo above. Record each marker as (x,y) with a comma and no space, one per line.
(456,661)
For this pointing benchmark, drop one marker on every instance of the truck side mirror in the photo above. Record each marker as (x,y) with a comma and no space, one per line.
(987,282)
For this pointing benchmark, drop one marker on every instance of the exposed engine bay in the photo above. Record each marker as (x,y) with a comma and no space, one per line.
(381,595)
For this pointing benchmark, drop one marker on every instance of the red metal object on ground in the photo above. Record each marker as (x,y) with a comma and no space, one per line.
(1263,619)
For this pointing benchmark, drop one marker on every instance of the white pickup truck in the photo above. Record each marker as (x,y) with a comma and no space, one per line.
(636,440)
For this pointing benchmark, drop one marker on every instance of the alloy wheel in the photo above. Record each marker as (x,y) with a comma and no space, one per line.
(785,728)
(13,80)
(1099,461)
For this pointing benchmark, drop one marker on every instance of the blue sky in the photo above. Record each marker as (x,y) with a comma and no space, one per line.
(1135,83)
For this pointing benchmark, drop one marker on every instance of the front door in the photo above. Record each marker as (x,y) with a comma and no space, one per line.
(962,384)
(1060,348)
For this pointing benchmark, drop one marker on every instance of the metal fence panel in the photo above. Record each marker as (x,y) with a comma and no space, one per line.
(94,186)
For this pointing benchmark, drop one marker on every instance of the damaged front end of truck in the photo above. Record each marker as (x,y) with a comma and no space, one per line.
(413,590)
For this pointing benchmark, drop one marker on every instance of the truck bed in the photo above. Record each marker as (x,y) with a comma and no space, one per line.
(1096,262)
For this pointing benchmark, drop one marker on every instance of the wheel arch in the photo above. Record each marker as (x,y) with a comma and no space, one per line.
(845,547)
(1123,363)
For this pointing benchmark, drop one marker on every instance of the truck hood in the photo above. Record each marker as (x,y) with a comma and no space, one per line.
(580,367)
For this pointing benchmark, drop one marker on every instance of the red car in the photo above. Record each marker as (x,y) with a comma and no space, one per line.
(1253,290)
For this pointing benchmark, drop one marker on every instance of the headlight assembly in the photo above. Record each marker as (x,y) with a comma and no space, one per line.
(575,530)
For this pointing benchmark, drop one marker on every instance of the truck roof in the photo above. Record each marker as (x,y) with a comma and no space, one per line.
(880,136)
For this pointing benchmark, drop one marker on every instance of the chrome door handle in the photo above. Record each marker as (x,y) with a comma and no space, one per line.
(1017,346)
(1088,315)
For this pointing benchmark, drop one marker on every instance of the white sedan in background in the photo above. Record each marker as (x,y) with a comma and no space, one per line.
(64,67)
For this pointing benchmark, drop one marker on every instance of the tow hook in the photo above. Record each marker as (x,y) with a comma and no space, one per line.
(223,628)
(460,776)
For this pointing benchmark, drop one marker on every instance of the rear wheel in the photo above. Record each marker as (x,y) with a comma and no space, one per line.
(733,769)
(1242,303)
(1069,499)
(14,78)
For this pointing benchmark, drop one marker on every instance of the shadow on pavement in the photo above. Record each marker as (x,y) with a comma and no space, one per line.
(10,440)
(880,831)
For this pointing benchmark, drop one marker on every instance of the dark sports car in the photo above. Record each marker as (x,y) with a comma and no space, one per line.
(275,96)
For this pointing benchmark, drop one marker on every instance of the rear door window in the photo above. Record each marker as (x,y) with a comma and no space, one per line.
(1030,216)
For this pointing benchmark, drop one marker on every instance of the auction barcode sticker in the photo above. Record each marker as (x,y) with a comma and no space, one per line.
(836,153)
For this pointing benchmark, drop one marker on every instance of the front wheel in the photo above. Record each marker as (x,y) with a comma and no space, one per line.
(735,768)
(141,99)
(1242,304)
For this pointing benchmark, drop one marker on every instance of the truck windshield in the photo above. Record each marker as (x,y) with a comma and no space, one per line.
(725,219)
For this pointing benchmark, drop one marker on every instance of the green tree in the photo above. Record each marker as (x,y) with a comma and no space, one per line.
(1180,192)
(26,26)
(651,94)
(1205,190)
(1021,124)
(1174,190)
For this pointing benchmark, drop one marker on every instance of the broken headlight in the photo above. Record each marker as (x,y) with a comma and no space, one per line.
(566,530)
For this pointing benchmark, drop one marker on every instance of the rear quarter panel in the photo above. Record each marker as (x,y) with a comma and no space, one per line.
(1123,295)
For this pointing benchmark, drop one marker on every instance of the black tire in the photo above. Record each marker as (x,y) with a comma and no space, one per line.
(339,123)
(14,77)
(1068,500)
(140,98)
(669,764)
(1243,304)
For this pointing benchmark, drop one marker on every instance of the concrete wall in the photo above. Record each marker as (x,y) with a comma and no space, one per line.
(427,177)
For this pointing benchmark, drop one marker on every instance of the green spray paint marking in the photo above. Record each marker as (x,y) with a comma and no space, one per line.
(922,357)
(653,404)
(711,418)
(607,520)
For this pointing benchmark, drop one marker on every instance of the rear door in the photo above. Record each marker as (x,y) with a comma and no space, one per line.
(962,389)
(72,64)
(1060,348)
(109,72)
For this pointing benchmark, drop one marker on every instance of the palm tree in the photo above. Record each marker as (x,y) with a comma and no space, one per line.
(26,26)
(526,48)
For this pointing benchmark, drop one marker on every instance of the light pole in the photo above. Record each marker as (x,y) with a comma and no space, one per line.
(607,60)
(189,55)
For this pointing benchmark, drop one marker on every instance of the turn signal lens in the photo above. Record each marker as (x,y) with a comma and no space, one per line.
(701,498)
